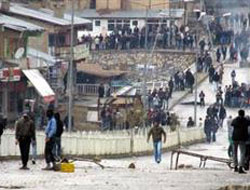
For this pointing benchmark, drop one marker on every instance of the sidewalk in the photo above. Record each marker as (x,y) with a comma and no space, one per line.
(178,96)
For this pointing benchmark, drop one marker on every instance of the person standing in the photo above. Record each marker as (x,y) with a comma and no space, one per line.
(3,123)
(157,132)
(202,98)
(207,129)
(230,134)
(233,75)
(240,136)
(59,132)
(24,132)
(50,133)
(222,115)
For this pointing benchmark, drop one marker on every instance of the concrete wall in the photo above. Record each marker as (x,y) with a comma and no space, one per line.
(103,144)
(108,4)
(143,4)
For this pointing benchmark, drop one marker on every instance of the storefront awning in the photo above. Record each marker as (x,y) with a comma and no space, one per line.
(41,85)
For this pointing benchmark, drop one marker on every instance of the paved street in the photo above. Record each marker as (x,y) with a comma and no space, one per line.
(147,175)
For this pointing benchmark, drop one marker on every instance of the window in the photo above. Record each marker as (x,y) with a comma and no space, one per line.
(111,25)
(1,101)
(135,23)
(126,23)
(92,4)
(119,24)
(12,101)
(61,40)
(52,40)
(97,23)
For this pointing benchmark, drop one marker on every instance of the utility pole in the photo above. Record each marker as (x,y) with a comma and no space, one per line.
(144,87)
(70,69)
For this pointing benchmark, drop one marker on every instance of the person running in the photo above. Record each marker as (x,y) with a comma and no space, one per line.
(50,132)
(240,136)
(157,132)
(24,132)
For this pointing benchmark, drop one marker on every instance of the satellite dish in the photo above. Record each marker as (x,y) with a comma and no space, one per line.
(19,53)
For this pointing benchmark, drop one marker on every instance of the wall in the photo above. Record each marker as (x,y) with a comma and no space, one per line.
(167,61)
(143,4)
(108,4)
(104,144)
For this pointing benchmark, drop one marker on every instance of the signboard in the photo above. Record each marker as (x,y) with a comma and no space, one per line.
(81,52)
(10,74)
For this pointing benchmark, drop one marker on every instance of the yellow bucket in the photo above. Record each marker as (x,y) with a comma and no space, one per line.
(67,167)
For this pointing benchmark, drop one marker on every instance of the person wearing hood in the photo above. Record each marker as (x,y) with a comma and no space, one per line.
(240,136)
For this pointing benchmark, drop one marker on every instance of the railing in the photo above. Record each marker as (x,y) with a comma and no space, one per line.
(91,89)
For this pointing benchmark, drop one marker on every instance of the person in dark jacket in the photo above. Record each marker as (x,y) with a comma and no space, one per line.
(59,132)
(24,132)
(190,122)
(222,115)
(157,132)
(3,123)
(190,80)
(240,136)
(170,87)
(101,91)
(211,72)
(207,129)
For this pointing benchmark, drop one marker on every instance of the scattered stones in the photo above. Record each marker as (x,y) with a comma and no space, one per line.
(131,166)
(235,187)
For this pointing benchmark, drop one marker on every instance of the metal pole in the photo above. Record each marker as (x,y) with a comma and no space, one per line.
(70,69)
(196,78)
(144,84)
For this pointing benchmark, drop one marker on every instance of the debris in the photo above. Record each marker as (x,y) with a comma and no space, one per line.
(131,166)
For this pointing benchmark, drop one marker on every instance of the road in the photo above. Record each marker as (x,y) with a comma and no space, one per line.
(147,175)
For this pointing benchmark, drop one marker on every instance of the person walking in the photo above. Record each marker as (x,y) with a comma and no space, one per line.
(59,132)
(50,133)
(240,136)
(24,132)
(157,132)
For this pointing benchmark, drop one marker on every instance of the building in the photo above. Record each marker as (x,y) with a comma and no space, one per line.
(112,5)
(55,40)
(14,37)
(105,23)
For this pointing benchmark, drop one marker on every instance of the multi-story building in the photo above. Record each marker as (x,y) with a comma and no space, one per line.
(14,37)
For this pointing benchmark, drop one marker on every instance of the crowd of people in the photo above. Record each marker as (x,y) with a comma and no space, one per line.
(173,37)
(25,134)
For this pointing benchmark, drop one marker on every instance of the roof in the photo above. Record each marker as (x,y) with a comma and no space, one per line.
(97,70)
(41,85)
(168,13)
(18,25)
(46,16)
(40,59)
(125,91)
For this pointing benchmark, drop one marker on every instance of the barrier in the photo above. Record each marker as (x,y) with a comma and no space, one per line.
(111,143)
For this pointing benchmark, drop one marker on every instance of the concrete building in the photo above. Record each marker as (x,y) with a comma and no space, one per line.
(56,38)
(14,37)
(107,22)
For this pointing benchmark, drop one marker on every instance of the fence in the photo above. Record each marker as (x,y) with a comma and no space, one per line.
(104,143)
(91,89)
